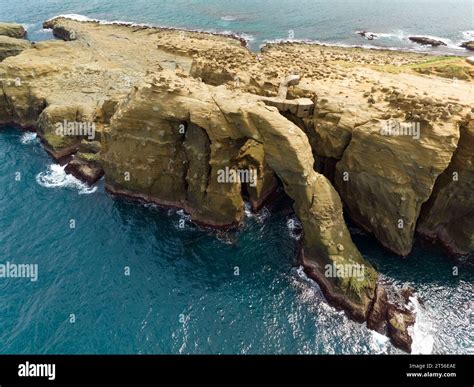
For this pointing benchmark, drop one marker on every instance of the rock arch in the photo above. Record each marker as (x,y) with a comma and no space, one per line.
(165,100)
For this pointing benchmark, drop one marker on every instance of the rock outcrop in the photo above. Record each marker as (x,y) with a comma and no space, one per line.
(468,45)
(12,46)
(427,41)
(222,122)
(196,121)
(367,35)
(60,31)
(13,30)
(384,179)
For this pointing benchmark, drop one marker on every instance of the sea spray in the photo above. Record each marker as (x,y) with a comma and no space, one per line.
(56,177)
(29,138)
(422,333)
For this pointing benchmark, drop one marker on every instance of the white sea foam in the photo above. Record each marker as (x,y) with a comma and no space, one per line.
(74,16)
(395,35)
(310,292)
(449,43)
(401,36)
(241,35)
(56,177)
(28,138)
(260,216)
(413,48)
(422,332)
(301,274)
(248,210)
(43,31)
(467,35)
(379,342)
(327,44)
(379,339)
(228,18)
(183,215)
(294,228)
(263,215)
(28,26)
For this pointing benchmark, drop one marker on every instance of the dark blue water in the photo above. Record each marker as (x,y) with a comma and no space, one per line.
(328,21)
(182,294)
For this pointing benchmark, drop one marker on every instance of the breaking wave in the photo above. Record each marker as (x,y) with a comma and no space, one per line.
(422,334)
(467,35)
(295,228)
(260,216)
(28,138)
(400,36)
(56,177)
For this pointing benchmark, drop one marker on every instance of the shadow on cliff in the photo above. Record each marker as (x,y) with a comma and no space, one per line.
(425,265)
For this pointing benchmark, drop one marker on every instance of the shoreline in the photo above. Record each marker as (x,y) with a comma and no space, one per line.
(245,40)
(85,19)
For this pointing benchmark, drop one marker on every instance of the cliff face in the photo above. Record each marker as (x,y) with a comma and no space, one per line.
(448,216)
(12,30)
(180,169)
(198,122)
(12,46)
(385,180)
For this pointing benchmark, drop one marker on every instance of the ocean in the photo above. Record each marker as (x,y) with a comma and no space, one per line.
(117,276)
(128,279)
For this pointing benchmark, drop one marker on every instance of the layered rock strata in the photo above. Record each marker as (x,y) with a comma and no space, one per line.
(13,30)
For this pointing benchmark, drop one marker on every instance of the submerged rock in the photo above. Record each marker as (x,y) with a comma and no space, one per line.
(367,35)
(427,41)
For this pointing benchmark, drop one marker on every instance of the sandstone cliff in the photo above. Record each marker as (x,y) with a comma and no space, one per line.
(448,216)
(13,30)
(167,121)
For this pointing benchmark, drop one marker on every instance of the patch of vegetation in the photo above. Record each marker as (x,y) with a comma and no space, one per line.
(55,141)
(446,67)
(88,156)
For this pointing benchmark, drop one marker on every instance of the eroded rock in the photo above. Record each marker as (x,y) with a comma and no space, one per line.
(12,46)
(427,41)
(384,179)
(12,30)
(468,45)
(448,217)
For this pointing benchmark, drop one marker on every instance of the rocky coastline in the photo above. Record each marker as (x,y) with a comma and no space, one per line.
(384,137)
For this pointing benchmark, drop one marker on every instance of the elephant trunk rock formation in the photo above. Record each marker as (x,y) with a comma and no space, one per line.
(196,121)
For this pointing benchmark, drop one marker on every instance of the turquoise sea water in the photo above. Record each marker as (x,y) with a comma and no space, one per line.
(182,294)
(328,21)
